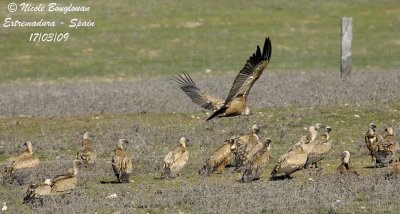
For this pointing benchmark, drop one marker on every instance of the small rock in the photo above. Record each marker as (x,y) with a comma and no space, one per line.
(112,196)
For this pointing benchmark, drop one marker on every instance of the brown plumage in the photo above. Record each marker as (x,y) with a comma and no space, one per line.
(295,159)
(394,169)
(121,163)
(371,141)
(176,160)
(36,192)
(322,146)
(202,99)
(244,145)
(387,148)
(236,102)
(346,167)
(18,169)
(258,163)
(65,183)
(87,154)
(219,158)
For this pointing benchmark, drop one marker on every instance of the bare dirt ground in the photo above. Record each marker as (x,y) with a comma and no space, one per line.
(311,89)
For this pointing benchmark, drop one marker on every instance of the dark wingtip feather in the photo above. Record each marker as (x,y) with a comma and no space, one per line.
(218,112)
(267,49)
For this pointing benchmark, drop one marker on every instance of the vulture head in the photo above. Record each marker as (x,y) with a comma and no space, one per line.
(255,128)
(345,157)
(28,145)
(183,141)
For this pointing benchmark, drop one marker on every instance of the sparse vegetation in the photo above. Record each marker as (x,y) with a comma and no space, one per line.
(153,134)
(113,81)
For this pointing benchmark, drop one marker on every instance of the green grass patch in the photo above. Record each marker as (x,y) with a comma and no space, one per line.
(146,38)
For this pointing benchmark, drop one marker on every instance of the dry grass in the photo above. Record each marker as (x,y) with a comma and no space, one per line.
(312,89)
(56,136)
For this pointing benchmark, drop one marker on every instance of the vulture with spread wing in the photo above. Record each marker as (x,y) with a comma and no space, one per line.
(236,102)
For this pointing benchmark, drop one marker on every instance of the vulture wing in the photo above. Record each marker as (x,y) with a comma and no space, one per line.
(252,70)
(206,101)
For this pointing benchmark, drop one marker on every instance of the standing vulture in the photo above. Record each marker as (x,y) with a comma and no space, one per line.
(346,167)
(36,192)
(219,158)
(295,159)
(18,169)
(244,146)
(121,163)
(176,160)
(87,153)
(258,163)
(371,141)
(236,102)
(387,148)
(65,183)
(321,148)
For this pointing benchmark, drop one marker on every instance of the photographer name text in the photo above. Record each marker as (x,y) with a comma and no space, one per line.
(52,7)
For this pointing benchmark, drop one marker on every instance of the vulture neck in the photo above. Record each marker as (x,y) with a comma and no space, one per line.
(86,143)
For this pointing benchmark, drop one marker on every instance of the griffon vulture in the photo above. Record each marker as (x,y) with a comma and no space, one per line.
(121,163)
(219,158)
(244,145)
(176,160)
(65,183)
(87,153)
(321,148)
(387,148)
(18,169)
(295,159)
(371,141)
(346,167)
(236,102)
(36,192)
(258,163)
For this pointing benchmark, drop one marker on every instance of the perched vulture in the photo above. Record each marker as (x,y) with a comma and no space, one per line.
(244,146)
(236,102)
(176,160)
(321,148)
(387,148)
(346,168)
(36,192)
(65,183)
(258,163)
(121,163)
(18,169)
(87,153)
(371,141)
(219,158)
(295,159)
